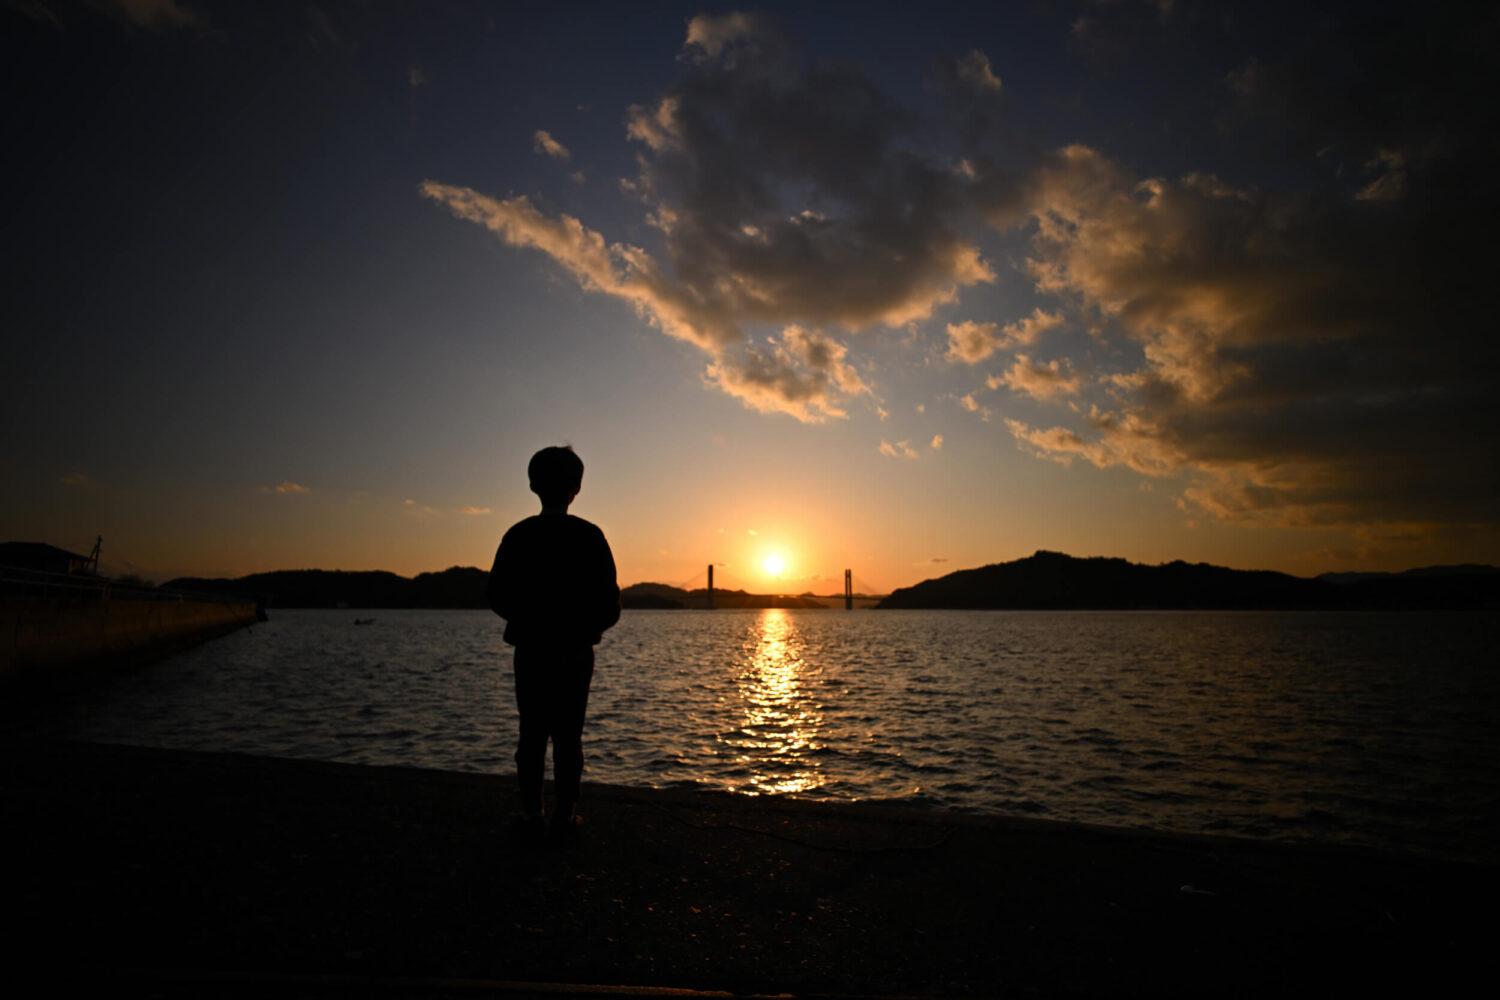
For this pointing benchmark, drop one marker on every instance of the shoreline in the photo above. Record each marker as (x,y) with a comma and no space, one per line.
(872,809)
(188,867)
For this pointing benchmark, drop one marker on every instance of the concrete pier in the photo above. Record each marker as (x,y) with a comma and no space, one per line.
(40,635)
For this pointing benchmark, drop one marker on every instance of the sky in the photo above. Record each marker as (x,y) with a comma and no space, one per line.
(903,289)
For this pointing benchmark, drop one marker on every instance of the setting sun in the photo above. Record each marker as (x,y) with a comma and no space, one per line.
(773,565)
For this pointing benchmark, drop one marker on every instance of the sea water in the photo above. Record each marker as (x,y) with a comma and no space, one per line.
(1367,728)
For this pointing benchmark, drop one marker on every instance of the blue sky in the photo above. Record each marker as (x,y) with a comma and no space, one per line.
(907,288)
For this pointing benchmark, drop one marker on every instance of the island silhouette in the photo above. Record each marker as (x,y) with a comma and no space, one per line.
(1052,580)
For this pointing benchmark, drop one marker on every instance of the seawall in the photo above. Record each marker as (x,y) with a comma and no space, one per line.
(42,635)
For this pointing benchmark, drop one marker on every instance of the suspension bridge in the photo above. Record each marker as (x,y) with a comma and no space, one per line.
(721,586)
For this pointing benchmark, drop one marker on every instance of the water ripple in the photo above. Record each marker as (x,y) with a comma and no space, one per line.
(1368,728)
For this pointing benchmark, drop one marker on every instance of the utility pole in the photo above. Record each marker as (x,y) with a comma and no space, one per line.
(710,586)
(848,590)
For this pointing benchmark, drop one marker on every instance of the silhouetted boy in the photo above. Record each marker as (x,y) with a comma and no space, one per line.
(554,584)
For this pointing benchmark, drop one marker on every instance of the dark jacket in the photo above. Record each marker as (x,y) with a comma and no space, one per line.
(554,582)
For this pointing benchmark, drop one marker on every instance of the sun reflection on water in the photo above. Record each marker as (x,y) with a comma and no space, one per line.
(778,734)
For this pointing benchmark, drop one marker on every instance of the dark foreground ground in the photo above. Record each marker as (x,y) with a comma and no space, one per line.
(191,875)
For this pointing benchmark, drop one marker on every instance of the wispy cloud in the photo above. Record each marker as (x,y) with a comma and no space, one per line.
(709,34)
(972,342)
(937,442)
(901,449)
(474,510)
(76,479)
(968,402)
(974,71)
(543,144)
(802,373)
(286,487)
(1037,379)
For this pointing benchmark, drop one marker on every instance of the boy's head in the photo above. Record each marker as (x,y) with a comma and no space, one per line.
(556,475)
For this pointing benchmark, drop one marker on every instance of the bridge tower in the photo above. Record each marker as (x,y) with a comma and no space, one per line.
(848,590)
(710,586)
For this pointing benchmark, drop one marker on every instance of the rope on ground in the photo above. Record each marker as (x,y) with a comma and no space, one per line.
(946,835)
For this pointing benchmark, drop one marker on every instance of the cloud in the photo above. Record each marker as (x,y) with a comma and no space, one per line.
(793,194)
(710,34)
(419,510)
(801,373)
(1036,379)
(474,510)
(937,442)
(968,402)
(1027,329)
(974,70)
(975,104)
(781,194)
(543,144)
(416,78)
(972,342)
(287,487)
(1303,361)
(1390,182)
(616,269)
(901,449)
(1317,355)
(1121,441)
(75,479)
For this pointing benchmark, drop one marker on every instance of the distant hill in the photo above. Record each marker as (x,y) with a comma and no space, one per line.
(653,595)
(1054,580)
(457,587)
(1043,580)
(1463,569)
(660,595)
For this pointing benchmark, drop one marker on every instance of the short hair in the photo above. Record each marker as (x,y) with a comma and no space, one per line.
(555,473)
